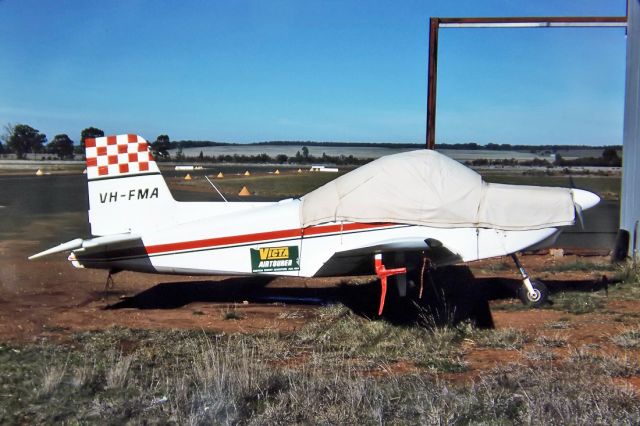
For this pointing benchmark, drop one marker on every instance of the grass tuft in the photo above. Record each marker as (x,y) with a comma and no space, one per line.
(555,341)
(629,338)
(117,372)
(578,303)
(232,314)
(505,338)
(605,364)
(52,376)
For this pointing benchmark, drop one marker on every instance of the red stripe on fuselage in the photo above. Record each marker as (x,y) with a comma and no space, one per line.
(263,236)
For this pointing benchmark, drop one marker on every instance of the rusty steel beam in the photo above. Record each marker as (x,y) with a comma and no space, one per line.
(535,22)
(514,22)
(434,25)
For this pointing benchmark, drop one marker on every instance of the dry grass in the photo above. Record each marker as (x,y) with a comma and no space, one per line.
(628,338)
(557,340)
(52,376)
(338,369)
(506,338)
(626,365)
(117,372)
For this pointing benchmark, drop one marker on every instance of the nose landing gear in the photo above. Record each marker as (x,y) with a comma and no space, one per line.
(532,293)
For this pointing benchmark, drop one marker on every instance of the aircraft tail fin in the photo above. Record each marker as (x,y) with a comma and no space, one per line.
(127,193)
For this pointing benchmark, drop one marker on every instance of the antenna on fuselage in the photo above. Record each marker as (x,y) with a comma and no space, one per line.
(214,187)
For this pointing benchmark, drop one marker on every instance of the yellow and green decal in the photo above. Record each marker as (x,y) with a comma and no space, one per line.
(275,259)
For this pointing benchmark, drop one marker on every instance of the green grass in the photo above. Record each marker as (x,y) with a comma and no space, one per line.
(506,338)
(290,184)
(607,187)
(580,266)
(268,186)
(627,287)
(575,302)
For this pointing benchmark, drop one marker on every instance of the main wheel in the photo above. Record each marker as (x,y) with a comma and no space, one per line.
(539,296)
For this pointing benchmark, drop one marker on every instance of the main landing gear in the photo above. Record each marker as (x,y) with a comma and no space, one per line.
(400,282)
(384,273)
(532,293)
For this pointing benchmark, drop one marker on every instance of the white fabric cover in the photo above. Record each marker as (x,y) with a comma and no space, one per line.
(428,188)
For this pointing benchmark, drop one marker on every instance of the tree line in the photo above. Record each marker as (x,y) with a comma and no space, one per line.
(609,158)
(301,157)
(22,139)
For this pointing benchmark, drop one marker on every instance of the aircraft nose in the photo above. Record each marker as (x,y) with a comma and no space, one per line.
(585,199)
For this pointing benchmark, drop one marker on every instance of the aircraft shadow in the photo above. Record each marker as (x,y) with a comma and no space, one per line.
(453,295)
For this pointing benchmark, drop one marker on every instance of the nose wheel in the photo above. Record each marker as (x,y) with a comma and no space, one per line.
(535,298)
(532,293)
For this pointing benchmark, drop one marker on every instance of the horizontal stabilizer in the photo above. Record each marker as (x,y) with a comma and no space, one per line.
(79,243)
(68,246)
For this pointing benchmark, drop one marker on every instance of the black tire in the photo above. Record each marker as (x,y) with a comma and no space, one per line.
(541,295)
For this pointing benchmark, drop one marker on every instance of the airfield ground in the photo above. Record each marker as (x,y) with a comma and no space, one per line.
(163,348)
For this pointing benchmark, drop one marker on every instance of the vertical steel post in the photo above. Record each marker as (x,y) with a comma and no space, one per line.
(434,25)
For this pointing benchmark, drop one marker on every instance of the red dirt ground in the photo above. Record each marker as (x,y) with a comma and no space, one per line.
(48,298)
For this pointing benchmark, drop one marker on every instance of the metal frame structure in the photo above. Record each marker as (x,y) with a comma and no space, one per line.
(516,22)
(627,241)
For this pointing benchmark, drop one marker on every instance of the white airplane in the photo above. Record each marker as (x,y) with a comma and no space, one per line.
(410,210)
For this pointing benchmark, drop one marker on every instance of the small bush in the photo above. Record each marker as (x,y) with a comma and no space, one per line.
(629,338)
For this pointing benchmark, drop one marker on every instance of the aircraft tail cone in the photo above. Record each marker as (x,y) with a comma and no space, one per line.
(187,177)
(244,192)
(220,175)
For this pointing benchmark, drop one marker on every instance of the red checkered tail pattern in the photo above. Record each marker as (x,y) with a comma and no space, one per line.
(127,193)
(120,155)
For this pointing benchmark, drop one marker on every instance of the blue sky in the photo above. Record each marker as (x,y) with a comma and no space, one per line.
(243,71)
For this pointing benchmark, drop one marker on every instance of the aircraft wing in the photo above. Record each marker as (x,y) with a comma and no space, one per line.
(359,261)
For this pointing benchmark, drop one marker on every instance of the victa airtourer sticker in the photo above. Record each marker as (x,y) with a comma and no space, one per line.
(275,259)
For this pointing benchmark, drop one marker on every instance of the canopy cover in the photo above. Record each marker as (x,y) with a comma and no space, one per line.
(428,188)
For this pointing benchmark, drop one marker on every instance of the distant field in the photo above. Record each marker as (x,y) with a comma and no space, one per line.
(263,183)
(607,187)
(262,186)
(371,152)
